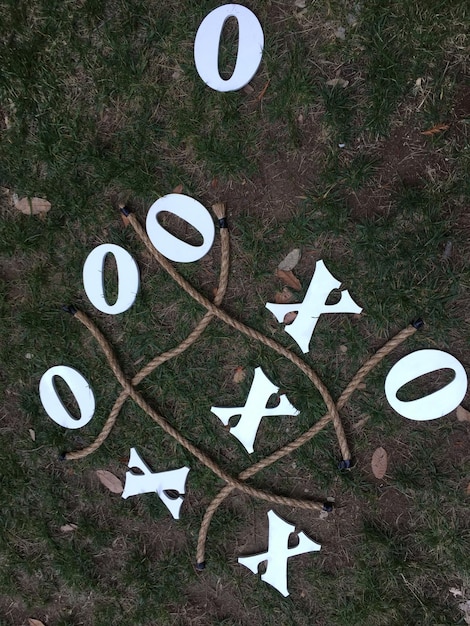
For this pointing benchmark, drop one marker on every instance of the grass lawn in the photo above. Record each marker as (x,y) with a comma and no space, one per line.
(351,144)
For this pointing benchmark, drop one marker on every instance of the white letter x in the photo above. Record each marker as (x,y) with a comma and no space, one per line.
(278,553)
(160,483)
(314,304)
(254,410)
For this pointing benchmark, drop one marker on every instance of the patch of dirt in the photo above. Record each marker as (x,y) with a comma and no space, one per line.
(273,196)
(76,609)
(12,273)
(406,158)
(275,193)
(212,598)
(461,109)
(456,451)
(397,452)
(393,508)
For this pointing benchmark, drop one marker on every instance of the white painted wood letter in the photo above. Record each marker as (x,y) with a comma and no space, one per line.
(308,311)
(278,553)
(255,409)
(250,47)
(159,483)
(128,278)
(80,389)
(436,404)
(192,212)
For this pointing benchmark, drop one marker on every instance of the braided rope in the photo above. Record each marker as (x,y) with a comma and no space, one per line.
(250,332)
(213,310)
(304,438)
(170,430)
(219,210)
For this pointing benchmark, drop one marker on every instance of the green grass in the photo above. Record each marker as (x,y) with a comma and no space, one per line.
(101,104)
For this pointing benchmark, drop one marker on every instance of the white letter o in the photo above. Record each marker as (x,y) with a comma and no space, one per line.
(80,389)
(128,278)
(250,47)
(436,404)
(192,212)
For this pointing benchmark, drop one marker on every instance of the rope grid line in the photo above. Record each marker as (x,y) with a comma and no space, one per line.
(219,210)
(214,310)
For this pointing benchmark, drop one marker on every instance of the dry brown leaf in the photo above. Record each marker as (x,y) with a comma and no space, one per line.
(289,279)
(379,463)
(110,481)
(178,189)
(289,317)
(467,490)
(248,89)
(68,528)
(337,82)
(284,297)
(35,622)
(290,261)
(214,183)
(438,128)
(240,375)
(462,414)
(263,91)
(32,206)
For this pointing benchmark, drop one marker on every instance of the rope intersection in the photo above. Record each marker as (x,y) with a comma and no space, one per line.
(213,310)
